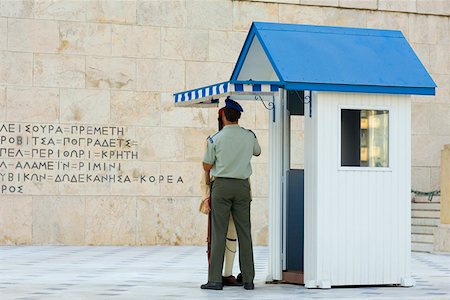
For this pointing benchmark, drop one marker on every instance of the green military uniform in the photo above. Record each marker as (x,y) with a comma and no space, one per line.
(230,151)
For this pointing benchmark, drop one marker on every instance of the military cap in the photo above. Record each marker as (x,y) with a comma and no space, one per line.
(230,103)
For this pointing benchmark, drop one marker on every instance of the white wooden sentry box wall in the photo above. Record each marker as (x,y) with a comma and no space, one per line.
(357,220)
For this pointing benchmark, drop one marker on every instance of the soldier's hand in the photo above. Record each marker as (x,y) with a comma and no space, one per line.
(205,206)
(208,204)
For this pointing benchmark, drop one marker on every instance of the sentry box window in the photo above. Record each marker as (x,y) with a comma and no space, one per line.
(364,138)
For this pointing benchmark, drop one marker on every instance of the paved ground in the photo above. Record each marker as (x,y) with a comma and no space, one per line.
(52,272)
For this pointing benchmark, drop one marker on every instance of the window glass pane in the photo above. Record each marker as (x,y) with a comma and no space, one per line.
(365,138)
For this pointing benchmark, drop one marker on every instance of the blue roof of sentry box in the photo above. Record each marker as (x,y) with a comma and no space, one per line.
(322,58)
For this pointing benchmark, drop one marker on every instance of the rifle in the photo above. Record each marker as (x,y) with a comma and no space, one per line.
(208,240)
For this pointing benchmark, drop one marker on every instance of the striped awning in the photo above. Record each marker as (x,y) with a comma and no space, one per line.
(209,95)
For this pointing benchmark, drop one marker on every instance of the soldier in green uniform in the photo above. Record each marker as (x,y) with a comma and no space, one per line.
(227,158)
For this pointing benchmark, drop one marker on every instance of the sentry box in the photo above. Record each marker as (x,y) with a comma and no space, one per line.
(345,218)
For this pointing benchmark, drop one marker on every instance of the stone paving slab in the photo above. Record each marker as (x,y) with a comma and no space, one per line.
(163,272)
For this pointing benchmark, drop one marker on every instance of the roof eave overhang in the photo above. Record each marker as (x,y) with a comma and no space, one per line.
(209,96)
(359,88)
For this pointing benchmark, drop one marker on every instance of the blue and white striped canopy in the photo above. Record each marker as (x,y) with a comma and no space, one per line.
(210,95)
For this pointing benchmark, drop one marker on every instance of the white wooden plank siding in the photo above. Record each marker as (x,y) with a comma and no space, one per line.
(275,189)
(357,220)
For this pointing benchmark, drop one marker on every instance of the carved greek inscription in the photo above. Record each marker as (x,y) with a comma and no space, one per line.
(36,156)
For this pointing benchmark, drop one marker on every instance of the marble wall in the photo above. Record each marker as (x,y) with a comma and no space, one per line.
(430,7)
(116,63)
(441,240)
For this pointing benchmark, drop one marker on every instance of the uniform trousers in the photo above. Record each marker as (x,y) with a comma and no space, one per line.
(231,196)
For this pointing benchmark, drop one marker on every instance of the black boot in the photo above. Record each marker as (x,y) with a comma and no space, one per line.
(249,286)
(212,286)
(239,278)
